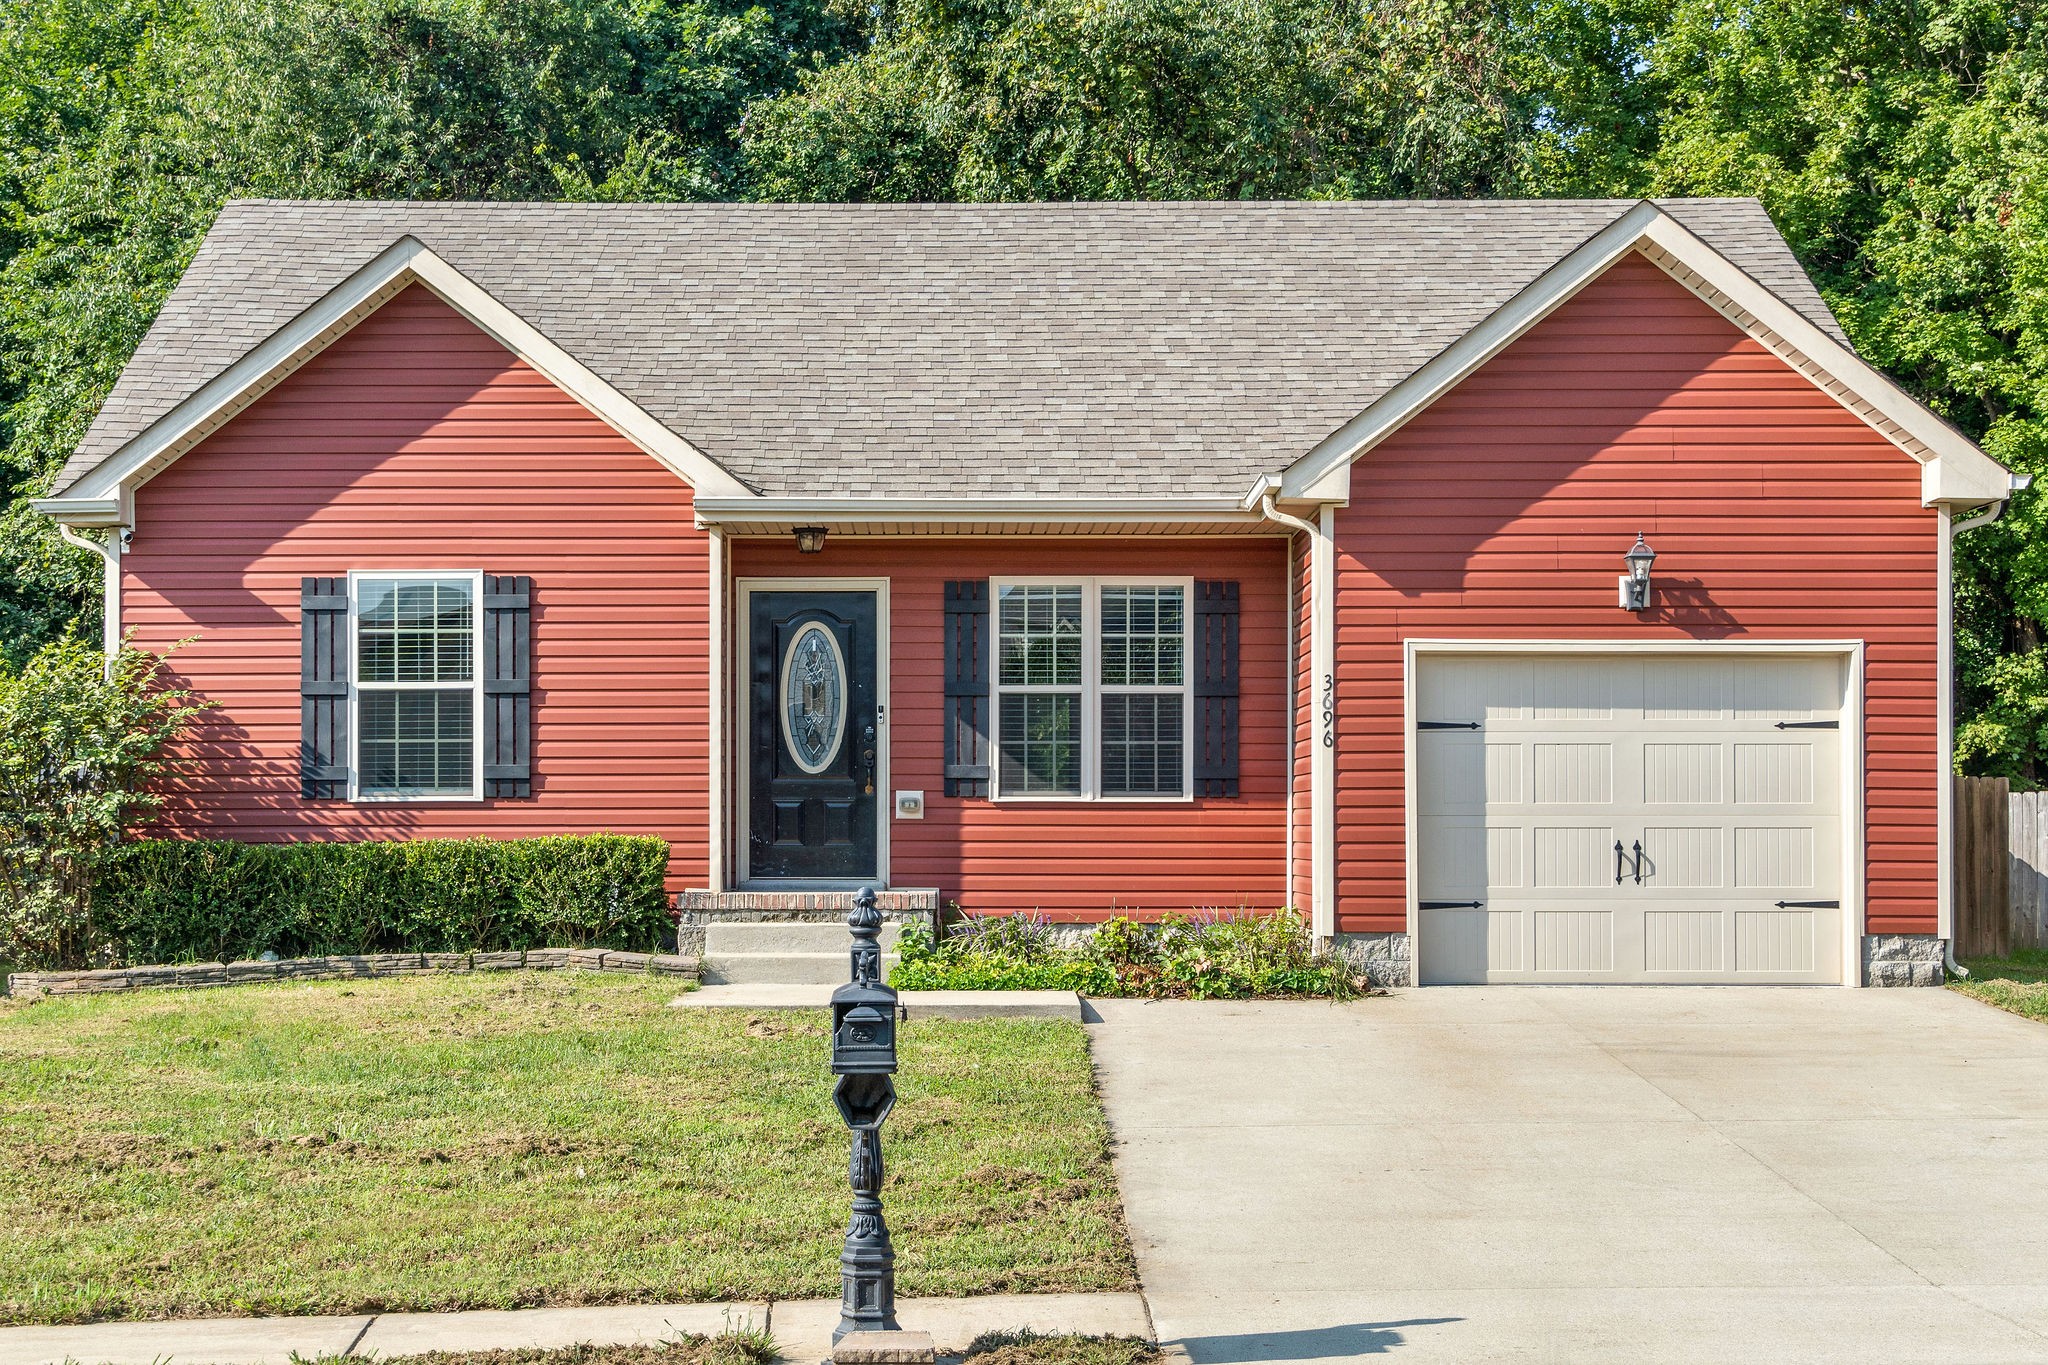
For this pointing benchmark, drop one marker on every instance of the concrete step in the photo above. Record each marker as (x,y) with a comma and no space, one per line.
(795,969)
(747,937)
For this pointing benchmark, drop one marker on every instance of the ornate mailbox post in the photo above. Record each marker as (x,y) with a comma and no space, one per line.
(864,1059)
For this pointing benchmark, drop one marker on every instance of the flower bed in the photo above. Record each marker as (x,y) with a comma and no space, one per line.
(1196,957)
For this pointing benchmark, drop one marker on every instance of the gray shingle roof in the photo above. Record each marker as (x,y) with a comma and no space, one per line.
(941,350)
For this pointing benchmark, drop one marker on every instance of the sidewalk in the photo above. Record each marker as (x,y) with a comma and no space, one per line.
(802,1328)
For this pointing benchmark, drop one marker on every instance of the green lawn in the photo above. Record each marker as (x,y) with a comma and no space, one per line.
(2018,983)
(506,1141)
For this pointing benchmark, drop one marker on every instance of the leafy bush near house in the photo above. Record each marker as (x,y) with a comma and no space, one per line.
(81,738)
(1197,957)
(186,900)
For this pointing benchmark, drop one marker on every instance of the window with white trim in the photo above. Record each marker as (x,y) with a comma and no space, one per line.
(1092,692)
(414,685)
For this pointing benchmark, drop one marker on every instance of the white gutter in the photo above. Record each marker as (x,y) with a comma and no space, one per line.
(109,551)
(1322,742)
(713,511)
(1945,802)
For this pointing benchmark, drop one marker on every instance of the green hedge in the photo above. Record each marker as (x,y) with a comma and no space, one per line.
(192,900)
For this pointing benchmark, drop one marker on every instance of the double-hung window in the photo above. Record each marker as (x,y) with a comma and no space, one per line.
(415,688)
(1092,689)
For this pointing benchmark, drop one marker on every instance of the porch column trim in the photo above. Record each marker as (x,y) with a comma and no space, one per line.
(718,603)
(1323,730)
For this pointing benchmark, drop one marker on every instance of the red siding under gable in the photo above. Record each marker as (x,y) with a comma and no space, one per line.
(1072,860)
(416,441)
(1503,511)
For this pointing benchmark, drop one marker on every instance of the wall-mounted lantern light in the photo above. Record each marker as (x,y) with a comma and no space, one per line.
(810,539)
(1635,584)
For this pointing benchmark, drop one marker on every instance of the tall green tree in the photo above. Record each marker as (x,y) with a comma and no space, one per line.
(125,124)
(1155,99)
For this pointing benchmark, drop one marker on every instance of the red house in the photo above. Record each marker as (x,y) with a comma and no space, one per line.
(1081,558)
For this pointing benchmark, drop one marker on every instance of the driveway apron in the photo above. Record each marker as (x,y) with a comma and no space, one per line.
(1585,1175)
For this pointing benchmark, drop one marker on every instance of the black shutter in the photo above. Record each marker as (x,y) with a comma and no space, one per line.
(1215,688)
(323,689)
(967,689)
(508,686)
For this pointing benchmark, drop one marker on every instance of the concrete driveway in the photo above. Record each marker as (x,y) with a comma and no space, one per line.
(1587,1175)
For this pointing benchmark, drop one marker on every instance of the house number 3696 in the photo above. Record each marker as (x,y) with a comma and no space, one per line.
(1329,710)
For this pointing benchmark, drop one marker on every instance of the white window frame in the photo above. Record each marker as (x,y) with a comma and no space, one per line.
(1092,689)
(475,688)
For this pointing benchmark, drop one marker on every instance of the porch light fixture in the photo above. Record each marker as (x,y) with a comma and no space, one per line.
(1635,584)
(810,539)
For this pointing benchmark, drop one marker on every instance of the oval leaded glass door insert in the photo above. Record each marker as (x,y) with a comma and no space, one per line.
(813,698)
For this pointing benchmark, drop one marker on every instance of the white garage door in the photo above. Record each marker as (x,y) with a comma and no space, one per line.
(1617,818)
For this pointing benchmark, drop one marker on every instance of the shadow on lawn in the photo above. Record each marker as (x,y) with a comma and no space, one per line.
(1313,1343)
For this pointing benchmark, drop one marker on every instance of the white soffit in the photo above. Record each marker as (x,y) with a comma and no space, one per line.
(1954,470)
(405,262)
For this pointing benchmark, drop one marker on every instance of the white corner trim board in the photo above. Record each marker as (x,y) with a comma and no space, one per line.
(404,262)
(1955,470)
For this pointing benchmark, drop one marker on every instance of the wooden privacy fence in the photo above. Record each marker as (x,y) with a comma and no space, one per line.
(2001,868)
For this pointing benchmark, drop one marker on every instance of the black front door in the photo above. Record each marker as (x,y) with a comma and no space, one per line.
(812,736)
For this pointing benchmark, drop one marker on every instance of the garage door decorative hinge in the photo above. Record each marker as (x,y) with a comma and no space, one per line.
(1450,905)
(1809,905)
(1809,725)
(1447,725)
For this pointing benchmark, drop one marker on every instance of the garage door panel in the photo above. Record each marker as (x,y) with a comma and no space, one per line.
(1718,777)
(1684,857)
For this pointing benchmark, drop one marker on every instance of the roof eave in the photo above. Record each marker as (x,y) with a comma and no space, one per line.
(1954,470)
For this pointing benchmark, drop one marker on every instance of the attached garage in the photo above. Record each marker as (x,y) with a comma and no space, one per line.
(1642,816)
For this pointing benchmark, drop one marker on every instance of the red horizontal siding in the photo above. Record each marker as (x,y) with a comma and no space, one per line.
(1081,861)
(418,442)
(1503,511)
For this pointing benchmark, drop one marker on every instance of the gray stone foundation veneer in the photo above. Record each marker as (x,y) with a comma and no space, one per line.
(697,909)
(191,976)
(1383,959)
(1903,960)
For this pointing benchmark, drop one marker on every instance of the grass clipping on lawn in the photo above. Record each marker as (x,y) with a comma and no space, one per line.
(2018,983)
(997,1348)
(510,1141)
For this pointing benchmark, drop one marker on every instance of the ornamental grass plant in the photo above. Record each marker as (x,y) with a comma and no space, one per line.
(1229,956)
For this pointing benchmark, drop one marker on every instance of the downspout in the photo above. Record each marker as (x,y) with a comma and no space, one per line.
(1945,901)
(109,551)
(1322,770)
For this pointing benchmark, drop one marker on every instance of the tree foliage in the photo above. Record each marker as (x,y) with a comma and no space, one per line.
(1901,144)
(81,739)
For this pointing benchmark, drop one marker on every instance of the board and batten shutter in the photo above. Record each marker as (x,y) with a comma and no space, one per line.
(507,736)
(323,689)
(967,688)
(1215,622)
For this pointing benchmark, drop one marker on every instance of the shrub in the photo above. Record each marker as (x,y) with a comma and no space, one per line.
(1188,956)
(81,738)
(185,900)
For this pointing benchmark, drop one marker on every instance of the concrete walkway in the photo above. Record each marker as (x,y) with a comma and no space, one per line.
(1636,1175)
(803,1329)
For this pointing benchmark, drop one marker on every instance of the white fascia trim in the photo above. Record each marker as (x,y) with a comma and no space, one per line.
(1954,469)
(404,262)
(713,511)
(85,513)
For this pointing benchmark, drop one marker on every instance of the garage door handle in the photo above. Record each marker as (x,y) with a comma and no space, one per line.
(1620,857)
(1450,905)
(1639,862)
(1809,905)
(1447,725)
(1809,725)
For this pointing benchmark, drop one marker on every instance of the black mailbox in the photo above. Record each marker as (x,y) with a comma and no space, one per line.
(863,1030)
